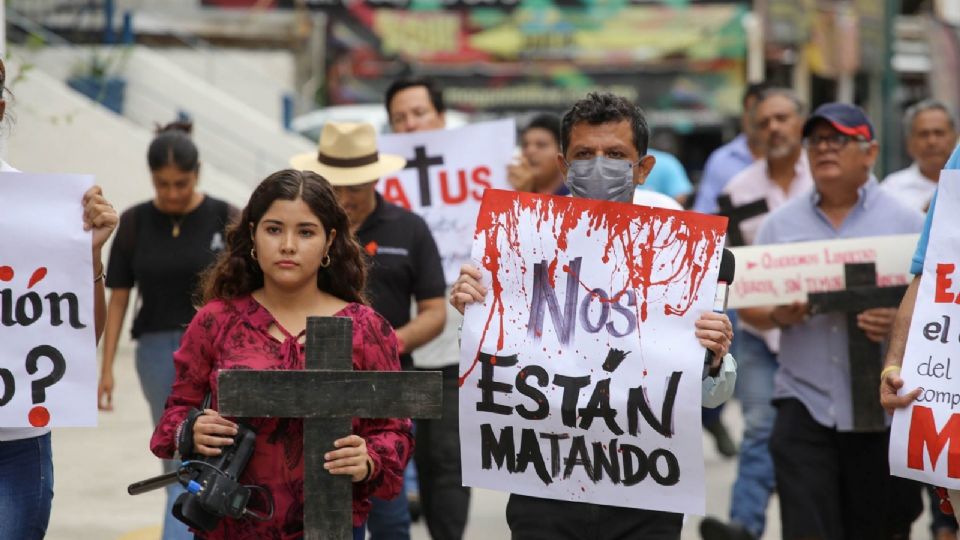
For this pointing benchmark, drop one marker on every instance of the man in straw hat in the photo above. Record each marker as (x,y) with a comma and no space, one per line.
(414,105)
(403,259)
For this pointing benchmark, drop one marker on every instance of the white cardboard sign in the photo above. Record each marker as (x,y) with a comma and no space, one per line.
(778,274)
(48,368)
(447,172)
(925,436)
(580,372)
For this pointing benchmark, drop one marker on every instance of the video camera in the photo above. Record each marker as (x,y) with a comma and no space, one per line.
(213,489)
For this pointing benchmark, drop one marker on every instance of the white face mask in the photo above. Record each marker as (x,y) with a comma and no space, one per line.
(601,178)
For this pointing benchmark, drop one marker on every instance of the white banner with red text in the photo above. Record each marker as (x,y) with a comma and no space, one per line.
(446,174)
(779,274)
(925,436)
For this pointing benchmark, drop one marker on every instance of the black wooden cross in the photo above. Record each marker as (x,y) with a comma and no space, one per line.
(738,214)
(861,293)
(422,164)
(327,395)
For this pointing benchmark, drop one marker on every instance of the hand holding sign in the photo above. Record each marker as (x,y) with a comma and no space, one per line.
(715,332)
(467,289)
(99,216)
(890,386)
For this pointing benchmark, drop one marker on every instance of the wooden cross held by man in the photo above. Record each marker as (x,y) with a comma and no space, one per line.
(738,214)
(861,293)
(327,395)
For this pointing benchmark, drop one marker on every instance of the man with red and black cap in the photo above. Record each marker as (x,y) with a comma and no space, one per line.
(833,482)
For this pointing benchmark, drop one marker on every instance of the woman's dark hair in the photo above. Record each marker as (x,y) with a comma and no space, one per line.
(599,108)
(236,274)
(172,145)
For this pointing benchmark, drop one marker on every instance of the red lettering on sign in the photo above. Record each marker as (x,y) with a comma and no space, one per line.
(445,188)
(943,295)
(393,192)
(481,177)
(924,434)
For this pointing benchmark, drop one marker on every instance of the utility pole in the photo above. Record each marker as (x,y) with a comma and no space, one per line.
(888,87)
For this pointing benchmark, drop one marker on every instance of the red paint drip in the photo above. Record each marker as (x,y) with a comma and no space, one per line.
(500,212)
(39,416)
(37,276)
(6,273)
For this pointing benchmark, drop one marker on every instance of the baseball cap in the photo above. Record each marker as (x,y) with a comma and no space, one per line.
(844,117)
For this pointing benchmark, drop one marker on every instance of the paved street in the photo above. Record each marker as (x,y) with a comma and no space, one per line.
(94,466)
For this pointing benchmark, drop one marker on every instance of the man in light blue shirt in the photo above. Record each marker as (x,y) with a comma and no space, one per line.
(668,177)
(833,482)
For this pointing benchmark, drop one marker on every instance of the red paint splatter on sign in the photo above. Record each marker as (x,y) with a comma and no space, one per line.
(39,416)
(635,233)
(37,276)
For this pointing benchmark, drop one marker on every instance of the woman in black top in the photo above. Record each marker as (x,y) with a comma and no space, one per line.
(161,247)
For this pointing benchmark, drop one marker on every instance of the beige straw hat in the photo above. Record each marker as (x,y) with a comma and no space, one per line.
(348,156)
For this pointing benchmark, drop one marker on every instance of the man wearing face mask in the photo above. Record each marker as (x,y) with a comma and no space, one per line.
(604,146)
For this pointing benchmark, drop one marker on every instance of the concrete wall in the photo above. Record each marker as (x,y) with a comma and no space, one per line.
(257,78)
(54,129)
(233,136)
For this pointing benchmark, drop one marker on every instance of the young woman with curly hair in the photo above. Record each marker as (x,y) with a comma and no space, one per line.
(288,257)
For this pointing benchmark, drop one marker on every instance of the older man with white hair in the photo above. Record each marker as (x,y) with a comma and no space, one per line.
(931,134)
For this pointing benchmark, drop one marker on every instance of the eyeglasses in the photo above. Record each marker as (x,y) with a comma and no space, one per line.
(835,141)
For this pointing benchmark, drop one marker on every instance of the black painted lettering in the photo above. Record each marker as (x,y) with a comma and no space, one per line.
(543,406)
(571,394)
(599,405)
(36,309)
(578,456)
(672,475)
(606,461)
(633,473)
(637,401)
(554,451)
(6,308)
(502,450)
(530,453)
(73,308)
(488,385)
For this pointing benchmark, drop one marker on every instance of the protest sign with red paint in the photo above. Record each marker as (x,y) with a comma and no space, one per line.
(925,437)
(47,346)
(580,372)
(779,274)
(446,174)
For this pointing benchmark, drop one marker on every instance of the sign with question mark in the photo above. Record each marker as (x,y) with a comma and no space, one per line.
(47,345)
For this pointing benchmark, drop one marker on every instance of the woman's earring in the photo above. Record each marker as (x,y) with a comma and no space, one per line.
(253,253)
(325,261)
